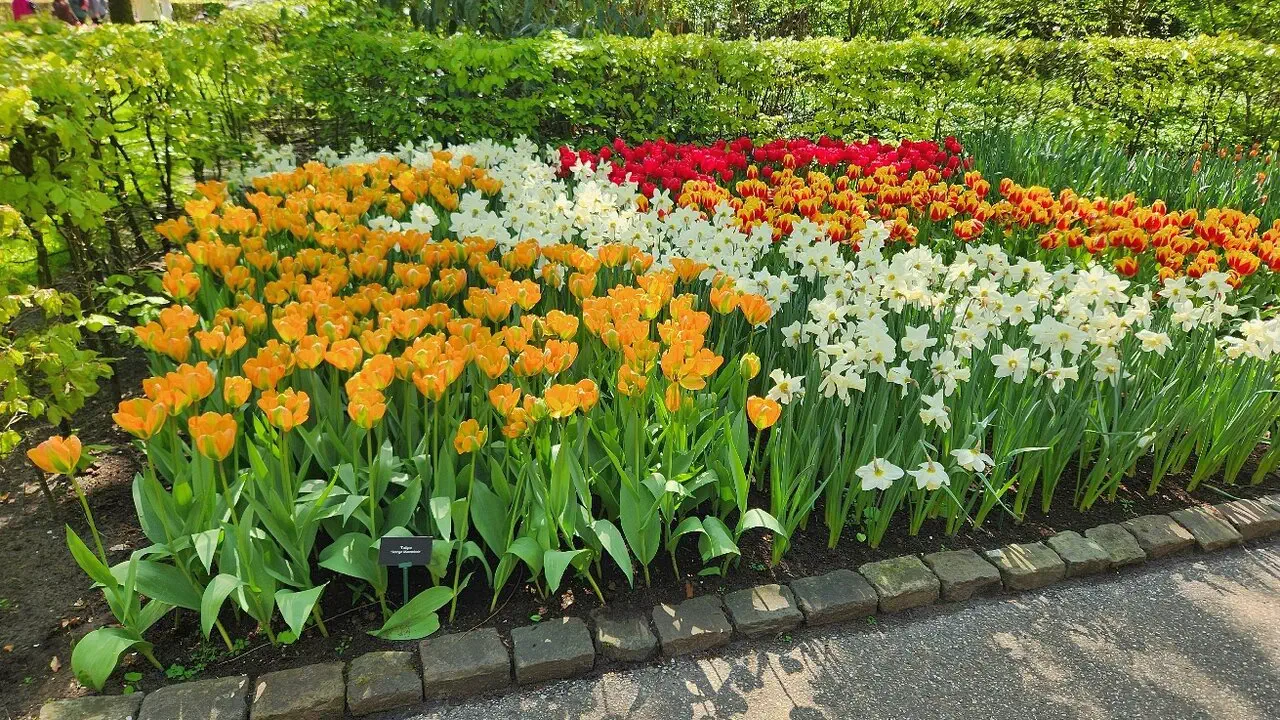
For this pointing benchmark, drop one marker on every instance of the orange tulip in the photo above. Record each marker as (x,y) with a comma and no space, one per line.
(588,394)
(630,382)
(672,398)
(214,434)
(493,361)
(562,400)
(235,390)
(285,410)
(755,309)
(141,417)
(57,455)
(344,354)
(763,412)
(504,398)
(470,437)
(367,408)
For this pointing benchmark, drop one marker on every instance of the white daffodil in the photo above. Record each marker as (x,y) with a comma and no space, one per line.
(972,460)
(1011,363)
(879,474)
(930,476)
(785,387)
(1156,342)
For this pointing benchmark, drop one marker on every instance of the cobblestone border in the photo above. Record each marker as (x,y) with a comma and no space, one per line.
(454,666)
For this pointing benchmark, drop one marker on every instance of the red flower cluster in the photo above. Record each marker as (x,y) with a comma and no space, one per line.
(659,164)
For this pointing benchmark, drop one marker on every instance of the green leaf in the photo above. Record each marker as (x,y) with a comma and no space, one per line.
(295,607)
(613,544)
(96,655)
(351,555)
(89,562)
(417,619)
(215,593)
(489,515)
(757,518)
(555,562)
(162,582)
(716,541)
(206,544)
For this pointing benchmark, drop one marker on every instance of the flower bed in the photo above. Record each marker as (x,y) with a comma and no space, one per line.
(559,377)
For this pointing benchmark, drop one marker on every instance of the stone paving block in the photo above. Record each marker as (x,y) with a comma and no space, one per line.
(692,626)
(837,596)
(552,650)
(1027,566)
(218,699)
(1119,543)
(624,637)
(103,707)
(963,574)
(1273,500)
(311,692)
(1209,527)
(902,582)
(1159,535)
(1082,555)
(1251,518)
(466,663)
(380,681)
(763,610)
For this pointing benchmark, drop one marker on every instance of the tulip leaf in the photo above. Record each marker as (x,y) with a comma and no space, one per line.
(716,541)
(96,655)
(555,562)
(351,555)
(206,544)
(295,607)
(162,582)
(215,593)
(417,618)
(89,562)
(758,518)
(489,515)
(613,544)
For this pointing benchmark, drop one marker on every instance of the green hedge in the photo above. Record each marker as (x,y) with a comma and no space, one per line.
(108,125)
(384,87)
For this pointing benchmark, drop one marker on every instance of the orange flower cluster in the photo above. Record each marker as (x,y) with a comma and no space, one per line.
(1127,233)
(356,317)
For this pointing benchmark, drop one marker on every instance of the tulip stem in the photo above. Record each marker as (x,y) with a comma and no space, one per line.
(226,493)
(88,515)
(222,630)
(151,659)
(315,615)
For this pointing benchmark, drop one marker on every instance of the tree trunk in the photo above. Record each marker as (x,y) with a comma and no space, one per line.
(42,257)
(121,11)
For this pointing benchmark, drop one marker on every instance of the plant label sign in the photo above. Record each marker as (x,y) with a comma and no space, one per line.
(405,551)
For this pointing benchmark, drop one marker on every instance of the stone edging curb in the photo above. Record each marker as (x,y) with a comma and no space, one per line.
(475,662)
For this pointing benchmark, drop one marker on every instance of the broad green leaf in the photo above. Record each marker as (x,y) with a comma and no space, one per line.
(555,562)
(215,593)
(96,655)
(613,544)
(417,619)
(295,607)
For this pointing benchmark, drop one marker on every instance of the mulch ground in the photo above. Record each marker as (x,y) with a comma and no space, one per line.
(46,603)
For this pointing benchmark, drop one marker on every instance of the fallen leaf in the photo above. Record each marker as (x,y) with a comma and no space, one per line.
(688,590)
(55,664)
(8,648)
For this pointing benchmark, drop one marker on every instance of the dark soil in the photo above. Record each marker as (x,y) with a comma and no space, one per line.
(46,602)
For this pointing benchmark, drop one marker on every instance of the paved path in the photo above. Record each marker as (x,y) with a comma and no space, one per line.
(1192,637)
